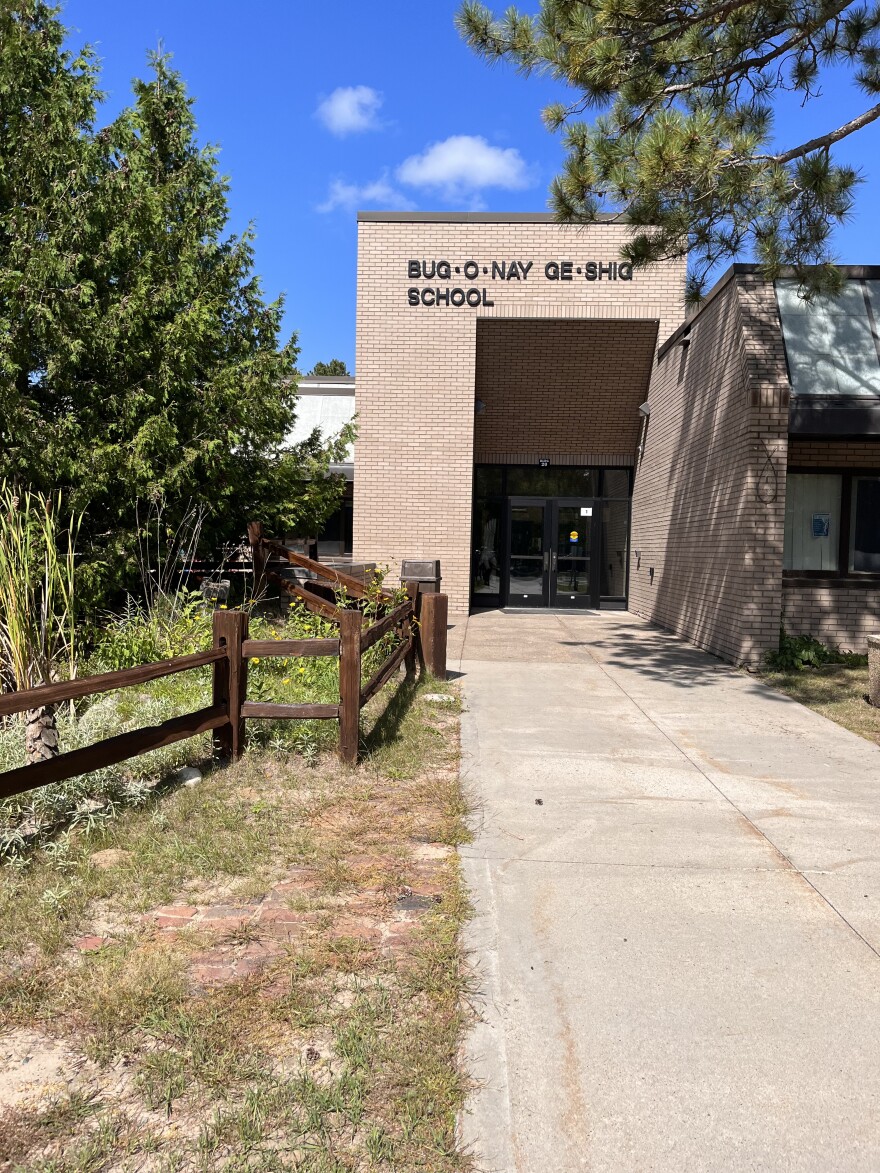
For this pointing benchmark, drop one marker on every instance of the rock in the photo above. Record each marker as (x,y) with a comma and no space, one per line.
(439,698)
(188,776)
(109,858)
(90,806)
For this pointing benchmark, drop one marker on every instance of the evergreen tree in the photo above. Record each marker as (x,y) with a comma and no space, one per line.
(682,141)
(146,363)
(328,369)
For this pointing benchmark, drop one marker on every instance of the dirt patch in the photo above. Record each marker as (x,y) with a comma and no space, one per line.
(35,1066)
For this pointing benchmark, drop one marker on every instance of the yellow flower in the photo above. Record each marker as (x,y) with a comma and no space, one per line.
(286,680)
(255,660)
(302,669)
(223,607)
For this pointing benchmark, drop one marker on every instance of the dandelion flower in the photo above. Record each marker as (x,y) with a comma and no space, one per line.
(286,680)
(255,660)
(302,670)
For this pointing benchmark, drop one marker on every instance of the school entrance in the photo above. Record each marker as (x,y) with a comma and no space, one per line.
(547,537)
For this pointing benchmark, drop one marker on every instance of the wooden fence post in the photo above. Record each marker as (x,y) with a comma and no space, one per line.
(230,681)
(433,618)
(350,625)
(410,628)
(258,553)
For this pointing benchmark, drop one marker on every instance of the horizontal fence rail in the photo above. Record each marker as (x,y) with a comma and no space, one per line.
(112,750)
(302,648)
(70,690)
(419,623)
(384,673)
(290,712)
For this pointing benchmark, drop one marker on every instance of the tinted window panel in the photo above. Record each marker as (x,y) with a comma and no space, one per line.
(865,528)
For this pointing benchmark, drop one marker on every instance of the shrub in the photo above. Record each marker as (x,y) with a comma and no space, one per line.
(797,652)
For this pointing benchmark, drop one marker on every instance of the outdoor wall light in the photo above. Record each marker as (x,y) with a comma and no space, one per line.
(645,409)
(479,407)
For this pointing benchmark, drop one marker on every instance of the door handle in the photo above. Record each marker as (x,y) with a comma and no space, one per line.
(553,561)
(546,560)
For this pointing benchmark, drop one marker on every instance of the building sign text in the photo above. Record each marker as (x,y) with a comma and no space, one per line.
(508,270)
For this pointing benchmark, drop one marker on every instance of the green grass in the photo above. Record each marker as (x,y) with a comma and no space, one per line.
(836,691)
(337,1057)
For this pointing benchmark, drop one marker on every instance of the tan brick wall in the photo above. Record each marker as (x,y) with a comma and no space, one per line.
(842,615)
(806,454)
(569,391)
(709,496)
(416,368)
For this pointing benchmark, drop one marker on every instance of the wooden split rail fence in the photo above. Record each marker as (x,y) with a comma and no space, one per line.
(420,621)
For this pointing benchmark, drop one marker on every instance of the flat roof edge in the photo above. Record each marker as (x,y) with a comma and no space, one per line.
(326,380)
(479,218)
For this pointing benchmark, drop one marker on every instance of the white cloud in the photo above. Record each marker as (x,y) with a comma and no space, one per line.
(351,110)
(464,164)
(350,196)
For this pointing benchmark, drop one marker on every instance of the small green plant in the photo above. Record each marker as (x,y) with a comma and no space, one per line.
(799,652)
(166,627)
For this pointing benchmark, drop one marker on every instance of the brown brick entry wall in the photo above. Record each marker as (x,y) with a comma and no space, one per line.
(566,390)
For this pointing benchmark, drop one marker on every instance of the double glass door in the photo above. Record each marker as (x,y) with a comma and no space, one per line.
(551,547)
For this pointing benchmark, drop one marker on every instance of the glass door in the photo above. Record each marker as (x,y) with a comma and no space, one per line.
(528,563)
(572,564)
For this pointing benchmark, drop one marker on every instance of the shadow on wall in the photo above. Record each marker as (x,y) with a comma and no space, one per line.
(707,495)
(842,618)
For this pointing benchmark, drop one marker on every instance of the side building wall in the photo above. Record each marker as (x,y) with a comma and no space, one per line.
(709,496)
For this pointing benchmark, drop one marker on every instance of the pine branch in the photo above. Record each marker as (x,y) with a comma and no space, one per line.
(817,144)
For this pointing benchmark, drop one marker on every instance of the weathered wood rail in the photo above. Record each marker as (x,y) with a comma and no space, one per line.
(419,622)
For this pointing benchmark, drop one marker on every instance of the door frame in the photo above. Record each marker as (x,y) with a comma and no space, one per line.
(509,600)
(550,593)
(595,522)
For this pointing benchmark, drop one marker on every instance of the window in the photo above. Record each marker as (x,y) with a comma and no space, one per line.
(829,341)
(615,549)
(832,523)
(812,521)
(864,544)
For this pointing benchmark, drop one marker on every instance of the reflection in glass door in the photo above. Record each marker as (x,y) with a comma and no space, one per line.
(571,569)
(529,559)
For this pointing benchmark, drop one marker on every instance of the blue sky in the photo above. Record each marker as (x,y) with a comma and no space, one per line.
(384,107)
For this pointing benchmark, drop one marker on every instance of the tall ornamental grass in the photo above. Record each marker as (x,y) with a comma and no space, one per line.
(38,642)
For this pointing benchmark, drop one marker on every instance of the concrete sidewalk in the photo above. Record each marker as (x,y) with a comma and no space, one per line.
(676,876)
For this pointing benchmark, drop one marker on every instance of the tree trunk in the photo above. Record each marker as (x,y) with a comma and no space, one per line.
(41,734)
